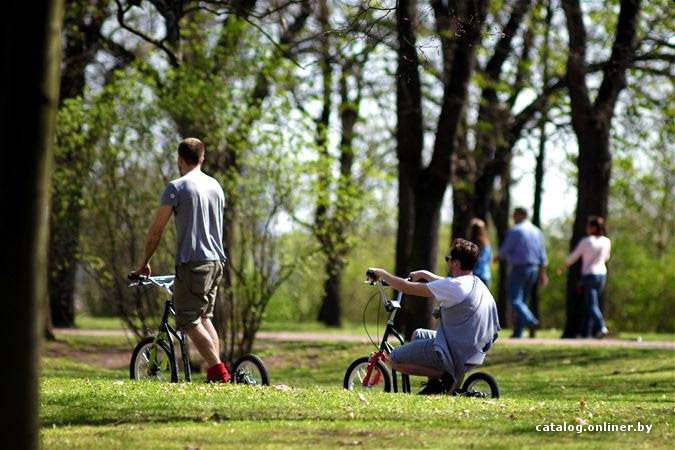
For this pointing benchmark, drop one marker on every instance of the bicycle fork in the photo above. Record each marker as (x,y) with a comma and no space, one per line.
(372,363)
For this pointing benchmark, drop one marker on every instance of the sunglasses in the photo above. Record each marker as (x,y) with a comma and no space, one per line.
(447,259)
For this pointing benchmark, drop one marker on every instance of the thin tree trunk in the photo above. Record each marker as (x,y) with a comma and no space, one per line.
(409,130)
(541,155)
(27,109)
(331,310)
(500,214)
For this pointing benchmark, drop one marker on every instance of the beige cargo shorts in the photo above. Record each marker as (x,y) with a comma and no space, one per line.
(194,291)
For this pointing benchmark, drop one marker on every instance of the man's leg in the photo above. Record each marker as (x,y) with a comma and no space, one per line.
(208,325)
(416,369)
(204,343)
(419,357)
(193,301)
(516,298)
(520,281)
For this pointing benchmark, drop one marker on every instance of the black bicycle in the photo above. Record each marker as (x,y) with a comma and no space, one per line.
(154,358)
(370,372)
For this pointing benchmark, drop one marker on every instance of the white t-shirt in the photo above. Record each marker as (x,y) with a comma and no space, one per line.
(452,290)
(594,252)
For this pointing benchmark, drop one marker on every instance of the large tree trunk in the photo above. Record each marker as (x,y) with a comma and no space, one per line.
(430,184)
(27,110)
(592,123)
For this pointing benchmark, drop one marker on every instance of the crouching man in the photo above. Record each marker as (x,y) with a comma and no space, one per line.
(467,327)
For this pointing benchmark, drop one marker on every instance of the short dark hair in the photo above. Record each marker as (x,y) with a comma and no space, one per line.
(191,150)
(466,252)
(521,211)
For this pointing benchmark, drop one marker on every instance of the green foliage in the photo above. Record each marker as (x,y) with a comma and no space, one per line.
(122,190)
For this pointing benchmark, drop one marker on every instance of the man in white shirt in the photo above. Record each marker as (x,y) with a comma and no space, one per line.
(468,326)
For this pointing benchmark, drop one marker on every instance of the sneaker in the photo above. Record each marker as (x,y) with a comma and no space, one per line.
(433,386)
(602,333)
(448,382)
(217,374)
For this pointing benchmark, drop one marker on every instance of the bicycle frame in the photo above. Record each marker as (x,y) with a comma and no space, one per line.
(392,306)
(171,333)
(168,330)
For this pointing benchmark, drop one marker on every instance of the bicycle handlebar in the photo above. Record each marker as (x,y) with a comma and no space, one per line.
(132,276)
(372,278)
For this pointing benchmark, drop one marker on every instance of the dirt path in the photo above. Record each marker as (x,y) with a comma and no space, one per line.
(299,336)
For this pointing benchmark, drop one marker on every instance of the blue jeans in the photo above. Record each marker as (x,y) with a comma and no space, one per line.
(593,285)
(521,282)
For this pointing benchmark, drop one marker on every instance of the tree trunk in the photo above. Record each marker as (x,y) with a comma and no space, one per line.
(82,40)
(423,189)
(416,312)
(409,130)
(592,123)
(541,155)
(592,199)
(27,109)
(331,310)
(501,207)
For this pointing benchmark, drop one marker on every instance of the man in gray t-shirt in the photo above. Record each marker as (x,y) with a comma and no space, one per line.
(468,323)
(196,201)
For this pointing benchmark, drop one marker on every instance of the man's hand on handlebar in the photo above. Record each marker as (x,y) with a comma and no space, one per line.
(374,274)
(141,272)
(418,275)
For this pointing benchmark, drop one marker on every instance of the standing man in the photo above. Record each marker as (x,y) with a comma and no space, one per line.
(524,249)
(197,201)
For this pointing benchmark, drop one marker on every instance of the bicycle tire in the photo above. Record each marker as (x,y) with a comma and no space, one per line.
(139,350)
(477,377)
(354,366)
(242,368)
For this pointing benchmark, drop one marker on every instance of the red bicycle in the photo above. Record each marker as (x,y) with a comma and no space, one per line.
(371,372)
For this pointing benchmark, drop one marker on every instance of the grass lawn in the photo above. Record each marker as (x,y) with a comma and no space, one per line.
(87,402)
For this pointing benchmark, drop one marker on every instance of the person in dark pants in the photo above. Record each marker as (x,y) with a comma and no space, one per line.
(594,251)
(524,249)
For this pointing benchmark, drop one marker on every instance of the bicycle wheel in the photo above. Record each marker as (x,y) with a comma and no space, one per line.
(480,384)
(380,379)
(151,361)
(250,370)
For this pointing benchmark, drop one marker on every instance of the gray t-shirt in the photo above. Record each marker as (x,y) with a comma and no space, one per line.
(198,202)
(469,321)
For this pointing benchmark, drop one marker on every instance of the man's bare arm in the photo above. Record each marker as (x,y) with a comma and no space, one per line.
(154,236)
(424,275)
(405,286)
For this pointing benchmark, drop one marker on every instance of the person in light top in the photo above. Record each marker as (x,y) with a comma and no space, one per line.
(594,251)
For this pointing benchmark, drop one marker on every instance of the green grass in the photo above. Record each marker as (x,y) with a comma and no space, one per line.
(83,406)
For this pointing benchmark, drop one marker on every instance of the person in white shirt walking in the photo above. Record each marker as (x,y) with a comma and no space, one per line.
(594,251)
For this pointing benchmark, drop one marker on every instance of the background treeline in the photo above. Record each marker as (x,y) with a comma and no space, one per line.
(343,133)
